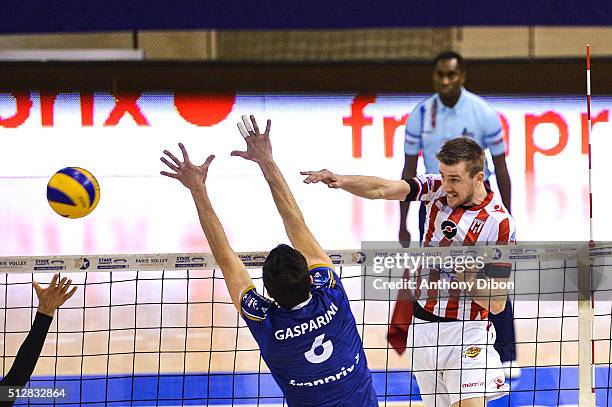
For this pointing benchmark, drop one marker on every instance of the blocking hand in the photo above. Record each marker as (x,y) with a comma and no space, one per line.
(259,148)
(191,176)
(52,297)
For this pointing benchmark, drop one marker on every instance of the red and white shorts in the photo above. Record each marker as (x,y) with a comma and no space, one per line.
(454,361)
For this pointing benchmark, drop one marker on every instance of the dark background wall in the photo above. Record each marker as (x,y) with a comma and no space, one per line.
(551,76)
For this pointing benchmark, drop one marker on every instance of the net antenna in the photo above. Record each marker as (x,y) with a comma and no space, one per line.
(586,299)
(588,99)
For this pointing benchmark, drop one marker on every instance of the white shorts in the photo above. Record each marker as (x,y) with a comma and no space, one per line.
(454,361)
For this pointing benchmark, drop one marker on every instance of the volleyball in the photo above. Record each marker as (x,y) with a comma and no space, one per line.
(73,192)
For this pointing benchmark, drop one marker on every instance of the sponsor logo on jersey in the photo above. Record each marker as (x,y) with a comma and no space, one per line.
(499,382)
(477,226)
(473,352)
(430,183)
(498,208)
(328,379)
(449,229)
(469,385)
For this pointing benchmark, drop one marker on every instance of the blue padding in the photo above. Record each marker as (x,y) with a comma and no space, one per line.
(542,386)
(17,16)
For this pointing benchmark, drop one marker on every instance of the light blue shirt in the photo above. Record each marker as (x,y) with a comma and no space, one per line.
(432,123)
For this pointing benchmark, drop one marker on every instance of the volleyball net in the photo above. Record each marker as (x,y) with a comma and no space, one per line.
(160,329)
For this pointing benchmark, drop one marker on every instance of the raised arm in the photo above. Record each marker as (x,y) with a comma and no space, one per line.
(259,150)
(49,299)
(363,186)
(193,177)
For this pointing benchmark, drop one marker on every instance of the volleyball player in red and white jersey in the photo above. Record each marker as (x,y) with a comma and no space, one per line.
(452,340)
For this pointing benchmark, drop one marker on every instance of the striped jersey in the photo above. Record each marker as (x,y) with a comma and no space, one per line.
(486,223)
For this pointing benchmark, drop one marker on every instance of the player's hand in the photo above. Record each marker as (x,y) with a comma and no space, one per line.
(52,297)
(259,148)
(404,238)
(325,176)
(192,176)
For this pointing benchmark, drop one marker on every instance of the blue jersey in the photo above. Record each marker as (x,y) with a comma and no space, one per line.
(313,350)
(432,123)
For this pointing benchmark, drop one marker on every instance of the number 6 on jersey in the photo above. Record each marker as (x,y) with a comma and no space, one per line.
(328,349)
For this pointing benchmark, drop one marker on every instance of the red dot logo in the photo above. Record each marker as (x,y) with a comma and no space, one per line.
(204,110)
(498,208)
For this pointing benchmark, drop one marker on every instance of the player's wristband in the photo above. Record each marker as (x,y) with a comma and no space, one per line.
(414,189)
(423,314)
(497,270)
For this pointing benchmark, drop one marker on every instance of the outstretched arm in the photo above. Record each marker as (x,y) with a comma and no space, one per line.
(259,150)
(193,177)
(363,186)
(49,299)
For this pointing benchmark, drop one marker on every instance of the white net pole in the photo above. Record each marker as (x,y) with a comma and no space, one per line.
(586,368)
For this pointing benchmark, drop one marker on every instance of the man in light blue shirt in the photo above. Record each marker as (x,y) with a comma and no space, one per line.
(452,112)
(432,123)
(455,112)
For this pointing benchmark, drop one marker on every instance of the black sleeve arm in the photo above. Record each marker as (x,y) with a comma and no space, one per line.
(28,354)
(414,189)
(498,270)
